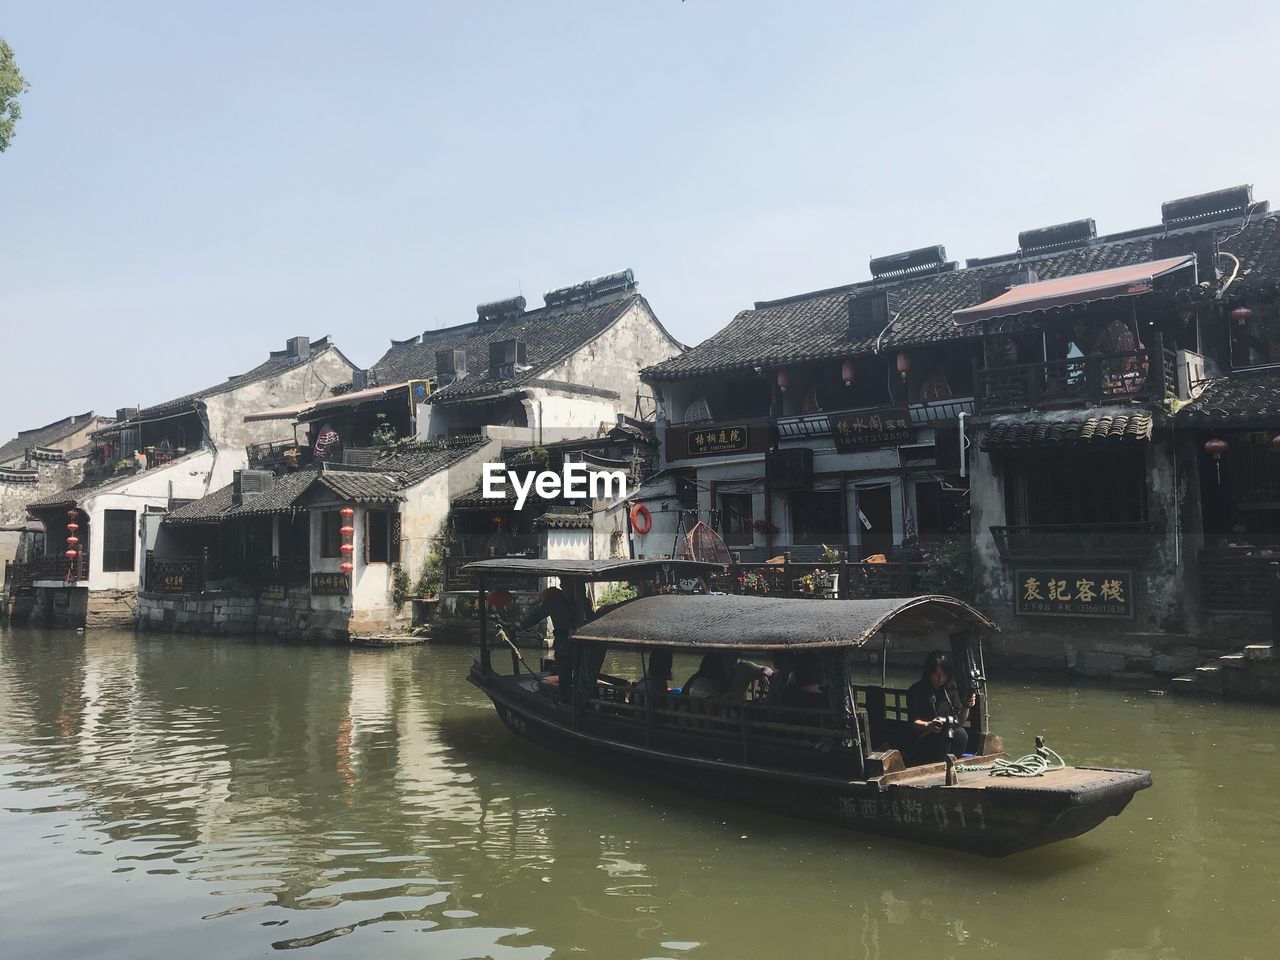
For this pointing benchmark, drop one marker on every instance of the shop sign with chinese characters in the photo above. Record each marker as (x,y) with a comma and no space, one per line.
(859,429)
(730,439)
(330,584)
(1061,592)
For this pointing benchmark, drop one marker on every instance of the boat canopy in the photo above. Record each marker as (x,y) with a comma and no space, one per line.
(773,623)
(593,569)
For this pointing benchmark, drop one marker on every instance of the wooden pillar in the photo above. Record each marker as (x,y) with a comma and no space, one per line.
(486,664)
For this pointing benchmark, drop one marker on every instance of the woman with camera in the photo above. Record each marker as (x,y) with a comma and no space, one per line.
(937,713)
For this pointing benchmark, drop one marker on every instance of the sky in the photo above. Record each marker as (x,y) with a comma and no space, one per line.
(192,183)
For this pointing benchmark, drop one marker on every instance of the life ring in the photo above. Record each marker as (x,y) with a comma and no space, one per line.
(641,521)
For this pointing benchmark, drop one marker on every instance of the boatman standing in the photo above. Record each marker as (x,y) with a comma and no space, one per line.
(566,616)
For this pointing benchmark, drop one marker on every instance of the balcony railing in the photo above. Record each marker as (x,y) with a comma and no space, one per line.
(1078,541)
(838,580)
(1146,374)
(61,568)
(279,455)
(921,414)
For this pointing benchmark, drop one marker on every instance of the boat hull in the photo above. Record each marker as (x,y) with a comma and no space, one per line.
(993,816)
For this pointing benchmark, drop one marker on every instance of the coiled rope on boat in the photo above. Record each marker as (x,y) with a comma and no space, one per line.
(1032,765)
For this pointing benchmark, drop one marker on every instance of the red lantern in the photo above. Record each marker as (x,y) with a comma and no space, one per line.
(345,567)
(1275,441)
(347,511)
(1217,448)
(70,554)
(72,541)
(73,513)
(1241,315)
(904,364)
(846,372)
(346,548)
(73,527)
(346,530)
(784,380)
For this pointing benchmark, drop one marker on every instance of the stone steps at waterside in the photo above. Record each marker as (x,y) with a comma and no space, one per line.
(1250,674)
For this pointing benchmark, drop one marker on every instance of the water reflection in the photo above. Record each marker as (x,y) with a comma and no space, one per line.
(260,795)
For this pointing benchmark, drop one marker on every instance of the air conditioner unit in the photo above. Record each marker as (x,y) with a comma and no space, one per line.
(247,484)
(1191,374)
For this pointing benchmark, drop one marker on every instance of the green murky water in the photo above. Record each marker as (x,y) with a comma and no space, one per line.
(170,796)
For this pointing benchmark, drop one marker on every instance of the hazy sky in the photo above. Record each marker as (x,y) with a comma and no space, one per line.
(190,183)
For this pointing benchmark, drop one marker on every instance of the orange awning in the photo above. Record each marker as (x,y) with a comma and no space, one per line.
(328,403)
(1070,291)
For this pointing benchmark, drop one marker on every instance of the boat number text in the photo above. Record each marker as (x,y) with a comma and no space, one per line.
(943,815)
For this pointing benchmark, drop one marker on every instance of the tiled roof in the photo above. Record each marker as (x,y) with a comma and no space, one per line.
(816,326)
(1095,428)
(361,487)
(277,363)
(92,487)
(383,483)
(46,436)
(413,464)
(1250,396)
(550,335)
(563,521)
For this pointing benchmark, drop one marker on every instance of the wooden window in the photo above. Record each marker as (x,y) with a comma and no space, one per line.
(119,540)
(1076,488)
(330,538)
(381,536)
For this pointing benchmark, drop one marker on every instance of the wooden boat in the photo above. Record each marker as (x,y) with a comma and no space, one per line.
(842,764)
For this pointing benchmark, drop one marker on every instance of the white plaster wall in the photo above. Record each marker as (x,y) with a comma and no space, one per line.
(613,360)
(568,416)
(186,478)
(427,505)
(225,412)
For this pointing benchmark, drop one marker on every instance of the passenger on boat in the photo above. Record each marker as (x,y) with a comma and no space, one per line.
(565,618)
(807,690)
(713,677)
(657,677)
(936,712)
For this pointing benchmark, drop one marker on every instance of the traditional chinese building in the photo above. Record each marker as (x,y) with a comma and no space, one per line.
(310,553)
(1056,403)
(146,462)
(34,464)
(513,381)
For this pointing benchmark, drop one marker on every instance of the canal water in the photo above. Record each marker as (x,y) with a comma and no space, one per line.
(166,796)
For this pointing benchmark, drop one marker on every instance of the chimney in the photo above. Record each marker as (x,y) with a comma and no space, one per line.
(451,365)
(297,347)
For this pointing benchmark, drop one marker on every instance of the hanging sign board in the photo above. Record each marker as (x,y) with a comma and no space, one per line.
(1048,591)
(859,429)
